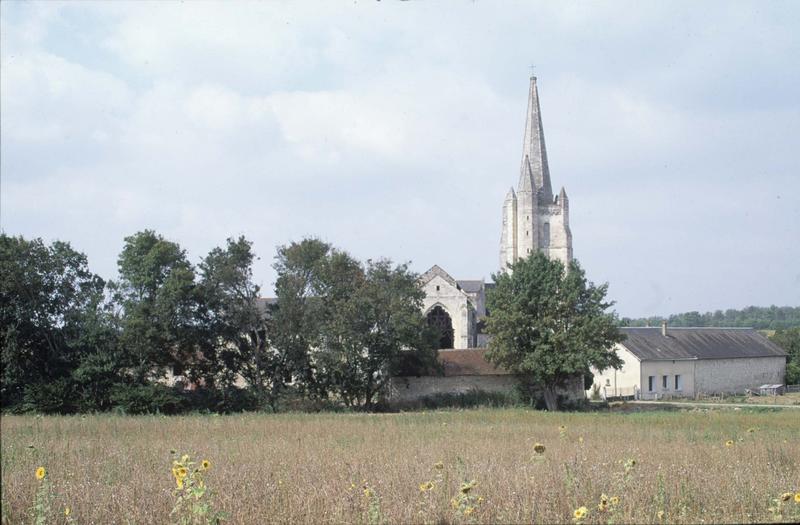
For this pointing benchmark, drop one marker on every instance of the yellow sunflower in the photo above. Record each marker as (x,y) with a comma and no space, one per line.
(797,497)
(786,496)
(179,482)
(615,500)
(425,487)
(729,443)
(181,472)
(40,473)
(539,448)
(580,513)
(206,464)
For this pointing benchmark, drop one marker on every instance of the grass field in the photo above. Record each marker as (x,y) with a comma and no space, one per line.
(720,466)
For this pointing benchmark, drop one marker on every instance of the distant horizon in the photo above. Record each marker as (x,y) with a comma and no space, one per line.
(379,130)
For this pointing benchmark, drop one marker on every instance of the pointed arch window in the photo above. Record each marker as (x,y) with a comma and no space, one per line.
(440,319)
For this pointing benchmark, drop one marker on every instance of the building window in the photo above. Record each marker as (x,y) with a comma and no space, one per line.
(437,287)
(651,383)
(439,319)
(678,382)
(546,235)
(664,382)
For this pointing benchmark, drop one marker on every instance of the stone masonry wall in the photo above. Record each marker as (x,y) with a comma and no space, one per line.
(736,375)
(404,389)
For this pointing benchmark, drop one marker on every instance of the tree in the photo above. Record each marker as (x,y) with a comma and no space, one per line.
(341,327)
(549,324)
(52,323)
(789,340)
(160,306)
(298,319)
(373,331)
(235,334)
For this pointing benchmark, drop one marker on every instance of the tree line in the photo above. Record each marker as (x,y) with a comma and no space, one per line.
(169,336)
(759,317)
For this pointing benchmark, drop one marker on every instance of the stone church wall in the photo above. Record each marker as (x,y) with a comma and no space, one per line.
(456,304)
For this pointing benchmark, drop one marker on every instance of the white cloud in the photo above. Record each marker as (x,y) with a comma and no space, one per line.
(395,129)
(48,99)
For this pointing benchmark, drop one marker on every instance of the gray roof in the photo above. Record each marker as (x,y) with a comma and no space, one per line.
(648,344)
(471,286)
(434,271)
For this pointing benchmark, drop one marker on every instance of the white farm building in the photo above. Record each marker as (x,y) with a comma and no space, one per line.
(686,362)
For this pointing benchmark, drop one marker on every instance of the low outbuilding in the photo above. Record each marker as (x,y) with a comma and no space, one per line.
(688,362)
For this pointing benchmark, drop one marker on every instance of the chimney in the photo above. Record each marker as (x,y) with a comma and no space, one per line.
(664,328)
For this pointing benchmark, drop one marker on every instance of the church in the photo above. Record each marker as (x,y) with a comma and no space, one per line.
(533,219)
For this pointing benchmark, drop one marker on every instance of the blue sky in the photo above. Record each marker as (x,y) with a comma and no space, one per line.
(395,130)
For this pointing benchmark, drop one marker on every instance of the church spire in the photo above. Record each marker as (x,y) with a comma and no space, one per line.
(534,154)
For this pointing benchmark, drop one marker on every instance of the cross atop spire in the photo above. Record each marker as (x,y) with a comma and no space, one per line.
(534,153)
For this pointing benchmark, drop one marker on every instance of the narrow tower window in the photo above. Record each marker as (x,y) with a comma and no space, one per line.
(546,235)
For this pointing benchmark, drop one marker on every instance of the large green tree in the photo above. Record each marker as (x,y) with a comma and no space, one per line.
(160,305)
(549,324)
(373,331)
(341,328)
(234,325)
(53,326)
(298,319)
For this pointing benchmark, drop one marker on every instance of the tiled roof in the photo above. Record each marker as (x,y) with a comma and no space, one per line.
(468,362)
(698,343)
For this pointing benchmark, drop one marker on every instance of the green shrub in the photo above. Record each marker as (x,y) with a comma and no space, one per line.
(222,401)
(148,399)
(55,397)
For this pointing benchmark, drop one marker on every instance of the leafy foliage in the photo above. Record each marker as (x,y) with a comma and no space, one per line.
(51,323)
(549,325)
(159,300)
(71,342)
(343,327)
(234,327)
(789,340)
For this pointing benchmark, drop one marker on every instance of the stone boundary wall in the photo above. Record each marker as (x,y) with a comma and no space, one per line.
(405,389)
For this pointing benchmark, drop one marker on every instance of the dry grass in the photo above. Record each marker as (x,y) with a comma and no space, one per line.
(304,468)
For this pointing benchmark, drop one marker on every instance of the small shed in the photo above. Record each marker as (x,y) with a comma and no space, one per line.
(770,390)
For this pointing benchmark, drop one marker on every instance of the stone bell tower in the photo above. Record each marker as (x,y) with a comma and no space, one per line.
(534,219)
